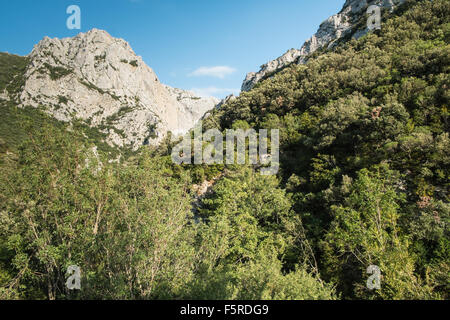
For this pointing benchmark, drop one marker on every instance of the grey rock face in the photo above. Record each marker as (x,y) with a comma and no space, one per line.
(254,77)
(330,31)
(99,79)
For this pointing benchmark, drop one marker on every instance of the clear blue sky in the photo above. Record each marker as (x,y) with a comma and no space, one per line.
(177,37)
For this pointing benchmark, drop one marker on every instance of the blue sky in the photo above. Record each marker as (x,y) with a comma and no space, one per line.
(206,45)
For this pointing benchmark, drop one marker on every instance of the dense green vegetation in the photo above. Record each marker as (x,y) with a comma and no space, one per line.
(131,230)
(364,181)
(17,122)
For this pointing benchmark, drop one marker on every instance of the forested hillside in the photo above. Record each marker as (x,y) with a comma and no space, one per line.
(364,180)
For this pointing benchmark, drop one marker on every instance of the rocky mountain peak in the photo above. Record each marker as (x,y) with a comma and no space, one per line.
(99,79)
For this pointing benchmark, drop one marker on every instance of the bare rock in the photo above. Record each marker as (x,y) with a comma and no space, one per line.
(99,79)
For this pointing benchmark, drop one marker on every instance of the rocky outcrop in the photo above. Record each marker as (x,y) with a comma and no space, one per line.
(254,77)
(345,23)
(99,79)
(191,106)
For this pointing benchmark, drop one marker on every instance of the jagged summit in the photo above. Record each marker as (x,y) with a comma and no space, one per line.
(98,78)
(330,31)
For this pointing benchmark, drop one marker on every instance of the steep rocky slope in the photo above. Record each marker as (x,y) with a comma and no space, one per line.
(347,23)
(99,79)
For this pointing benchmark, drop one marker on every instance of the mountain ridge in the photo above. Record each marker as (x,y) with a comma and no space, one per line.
(344,23)
(99,79)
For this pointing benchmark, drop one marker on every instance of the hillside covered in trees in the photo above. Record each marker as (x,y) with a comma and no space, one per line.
(363,180)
